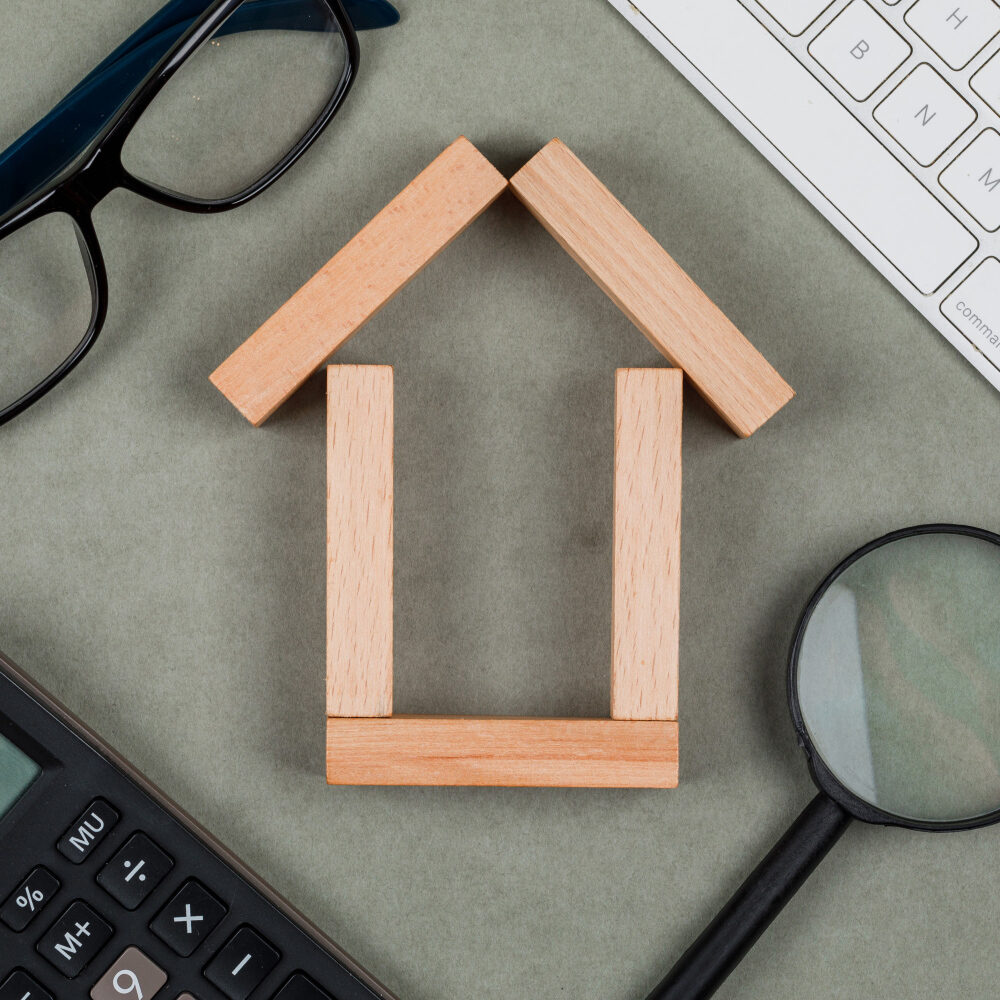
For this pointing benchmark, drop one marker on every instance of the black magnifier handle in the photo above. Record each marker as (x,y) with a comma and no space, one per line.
(702,969)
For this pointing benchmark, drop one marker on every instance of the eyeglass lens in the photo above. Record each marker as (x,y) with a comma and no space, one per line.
(898,677)
(242,102)
(46,303)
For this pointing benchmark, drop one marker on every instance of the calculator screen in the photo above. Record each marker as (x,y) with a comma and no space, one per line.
(17,771)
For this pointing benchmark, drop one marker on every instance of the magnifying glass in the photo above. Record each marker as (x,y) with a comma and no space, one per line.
(894,689)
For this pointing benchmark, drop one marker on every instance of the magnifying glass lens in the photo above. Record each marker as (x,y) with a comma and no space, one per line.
(898,677)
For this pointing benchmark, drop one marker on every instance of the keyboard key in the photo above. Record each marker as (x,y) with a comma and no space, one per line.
(188,918)
(795,15)
(973,177)
(133,976)
(29,899)
(859,49)
(20,986)
(986,83)
(925,115)
(135,871)
(301,987)
(242,964)
(79,841)
(834,153)
(974,308)
(955,29)
(75,939)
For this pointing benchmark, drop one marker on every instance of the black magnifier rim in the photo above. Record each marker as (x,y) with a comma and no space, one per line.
(822,775)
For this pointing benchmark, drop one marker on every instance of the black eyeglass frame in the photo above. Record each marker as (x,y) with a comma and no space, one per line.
(80,187)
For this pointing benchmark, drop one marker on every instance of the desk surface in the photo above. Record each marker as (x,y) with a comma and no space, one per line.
(163,562)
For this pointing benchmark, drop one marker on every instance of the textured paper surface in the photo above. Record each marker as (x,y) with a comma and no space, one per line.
(163,562)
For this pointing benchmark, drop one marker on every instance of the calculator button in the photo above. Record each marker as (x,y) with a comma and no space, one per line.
(29,899)
(859,49)
(955,29)
(188,918)
(75,939)
(301,987)
(242,964)
(132,976)
(135,871)
(79,841)
(20,986)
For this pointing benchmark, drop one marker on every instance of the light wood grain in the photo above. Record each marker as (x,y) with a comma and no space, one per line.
(647,546)
(650,287)
(464,750)
(359,496)
(401,240)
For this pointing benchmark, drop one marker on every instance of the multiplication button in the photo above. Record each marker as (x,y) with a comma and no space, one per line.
(20,986)
(242,965)
(28,899)
(188,918)
(73,942)
(135,871)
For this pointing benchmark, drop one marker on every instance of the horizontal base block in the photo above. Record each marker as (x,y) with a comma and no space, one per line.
(498,751)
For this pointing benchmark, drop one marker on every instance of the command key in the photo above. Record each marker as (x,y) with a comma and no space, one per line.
(974,308)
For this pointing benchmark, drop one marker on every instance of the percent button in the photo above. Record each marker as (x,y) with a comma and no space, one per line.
(29,899)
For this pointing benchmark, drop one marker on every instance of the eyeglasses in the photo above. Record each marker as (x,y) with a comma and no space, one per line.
(202,109)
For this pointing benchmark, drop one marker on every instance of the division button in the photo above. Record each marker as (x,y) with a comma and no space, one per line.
(73,942)
(133,975)
(20,986)
(28,899)
(301,987)
(89,829)
(188,918)
(242,965)
(135,871)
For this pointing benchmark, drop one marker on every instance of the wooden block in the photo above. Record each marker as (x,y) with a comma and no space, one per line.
(465,750)
(650,288)
(359,499)
(402,239)
(647,553)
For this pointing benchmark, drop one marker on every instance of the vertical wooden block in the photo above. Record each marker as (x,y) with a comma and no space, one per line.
(647,550)
(359,496)
(394,247)
(650,287)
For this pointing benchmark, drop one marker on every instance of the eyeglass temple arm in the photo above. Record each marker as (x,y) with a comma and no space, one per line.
(76,120)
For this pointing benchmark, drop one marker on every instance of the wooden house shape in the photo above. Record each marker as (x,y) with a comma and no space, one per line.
(637,745)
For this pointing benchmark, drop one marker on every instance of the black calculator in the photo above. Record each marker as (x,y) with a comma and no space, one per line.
(108,891)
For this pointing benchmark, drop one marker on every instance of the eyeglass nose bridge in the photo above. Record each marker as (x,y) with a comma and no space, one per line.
(97,178)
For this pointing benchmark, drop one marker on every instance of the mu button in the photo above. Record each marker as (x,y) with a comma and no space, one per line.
(190,916)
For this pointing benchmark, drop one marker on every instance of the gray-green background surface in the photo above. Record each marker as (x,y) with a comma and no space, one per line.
(163,562)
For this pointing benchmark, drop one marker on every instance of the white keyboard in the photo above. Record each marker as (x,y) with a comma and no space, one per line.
(885,114)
